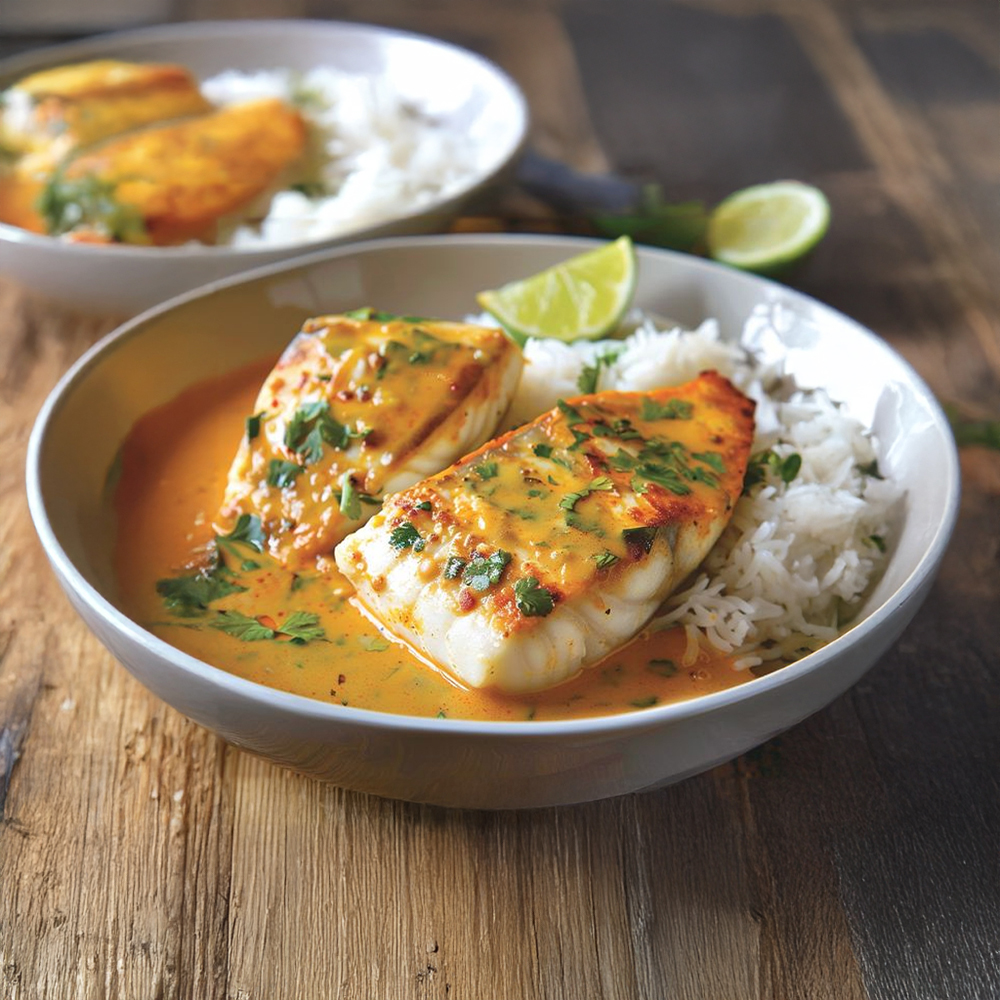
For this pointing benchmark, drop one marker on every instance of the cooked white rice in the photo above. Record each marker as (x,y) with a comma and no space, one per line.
(372,154)
(797,558)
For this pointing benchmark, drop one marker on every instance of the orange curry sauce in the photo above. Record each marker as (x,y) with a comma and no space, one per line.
(173,474)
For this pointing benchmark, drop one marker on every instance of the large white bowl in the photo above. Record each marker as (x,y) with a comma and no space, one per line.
(457,87)
(451,762)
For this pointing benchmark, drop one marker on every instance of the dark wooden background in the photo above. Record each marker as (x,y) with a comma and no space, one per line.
(858,855)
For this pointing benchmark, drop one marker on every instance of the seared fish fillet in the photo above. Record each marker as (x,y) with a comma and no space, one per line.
(58,110)
(548,548)
(183,178)
(359,406)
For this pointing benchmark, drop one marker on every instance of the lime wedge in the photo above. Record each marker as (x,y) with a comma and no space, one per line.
(766,227)
(580,299)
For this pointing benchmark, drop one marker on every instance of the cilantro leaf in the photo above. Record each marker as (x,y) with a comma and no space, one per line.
(406,536)
(311,426)
(453,567)
(189,596)
(543,450)
(571,413)
(241,626)
(482,573)
(350,503)
(302,627)
(605,559)
(486,470)
(712,459)
(253,425)
(672,409)
(532,600)
(247,530)
(281,473)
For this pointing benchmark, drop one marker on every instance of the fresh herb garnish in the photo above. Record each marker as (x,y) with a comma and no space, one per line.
(571,413)
(350,502)
(373,643)
(312,426)
(600,484)
(877,542)
(253,425)
(786,469)
(300,627)
(646,702)
(672,409)
(247,530)
(712,459)
(605,559)
(281,473)
(482,573)
(71,203)
(453,567)
(423,505)
(532,600)
(591,374)
(543,450)
(486,470)
(189,596)
(662,667)
(406,536)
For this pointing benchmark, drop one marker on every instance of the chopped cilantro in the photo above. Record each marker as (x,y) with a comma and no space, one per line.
(600,484)
(532,600)
(188,596)
(300,627)
(712,459)
(67,204)
(406,536)
(591,374)
(789,468)
(241,626)
(423,505)
(453,567)
(281,473)
(486,470)
(313,425)
(253,425)
(247,530)
(672,409)
(877,542)
(483,573)
(662,667)
(665,477)
(350,503)
(571,413)
(648,702)
(543,450)
(373,643)
(622,461)
(605,559)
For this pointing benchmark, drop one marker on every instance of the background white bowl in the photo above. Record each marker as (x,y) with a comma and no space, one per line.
(453,762)
(458,87)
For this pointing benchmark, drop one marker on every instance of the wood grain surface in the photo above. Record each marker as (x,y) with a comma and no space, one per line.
(855,856)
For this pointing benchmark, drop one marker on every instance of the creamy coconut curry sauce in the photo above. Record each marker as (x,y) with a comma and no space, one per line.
(300,631)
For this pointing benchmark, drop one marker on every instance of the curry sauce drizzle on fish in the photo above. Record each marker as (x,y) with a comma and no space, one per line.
(549,547)
(357,407)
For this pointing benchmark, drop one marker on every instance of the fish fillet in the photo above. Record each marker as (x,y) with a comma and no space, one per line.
(548,548)
(184,177)
(382,401)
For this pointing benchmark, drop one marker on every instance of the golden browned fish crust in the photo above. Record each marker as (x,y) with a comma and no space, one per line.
(547,548)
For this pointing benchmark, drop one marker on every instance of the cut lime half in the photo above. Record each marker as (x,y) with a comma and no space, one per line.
(580,299)
(769,226)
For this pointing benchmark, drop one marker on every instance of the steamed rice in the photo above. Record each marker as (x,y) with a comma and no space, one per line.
(797,558)
(372,156)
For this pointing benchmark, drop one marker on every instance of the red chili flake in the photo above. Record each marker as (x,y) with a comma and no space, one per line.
(466,600)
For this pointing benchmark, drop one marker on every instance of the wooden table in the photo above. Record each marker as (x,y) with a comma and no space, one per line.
(858,855)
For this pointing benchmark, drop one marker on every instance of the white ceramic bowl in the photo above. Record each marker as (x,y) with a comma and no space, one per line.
(451,762)
(460,88)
